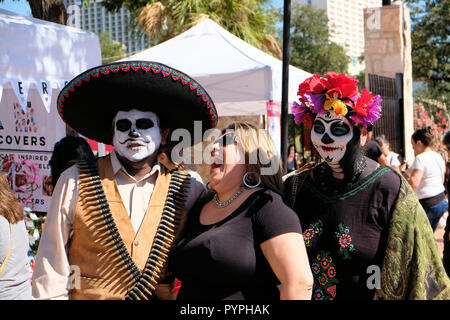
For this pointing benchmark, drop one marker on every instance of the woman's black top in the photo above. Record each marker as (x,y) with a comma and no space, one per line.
(224,260)
(345,231)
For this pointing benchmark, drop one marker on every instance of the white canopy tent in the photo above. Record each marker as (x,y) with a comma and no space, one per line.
(37,58)
(239,77)
(43,54)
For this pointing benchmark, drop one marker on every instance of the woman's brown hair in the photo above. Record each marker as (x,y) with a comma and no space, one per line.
(10,207)
(424,135)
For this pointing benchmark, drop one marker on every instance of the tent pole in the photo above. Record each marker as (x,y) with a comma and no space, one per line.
(285,82)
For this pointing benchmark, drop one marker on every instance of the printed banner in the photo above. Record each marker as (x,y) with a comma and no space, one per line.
(29,176)
(27,138)
(274,123)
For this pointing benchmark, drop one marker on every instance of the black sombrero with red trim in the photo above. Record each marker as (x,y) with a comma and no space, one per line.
(89,102)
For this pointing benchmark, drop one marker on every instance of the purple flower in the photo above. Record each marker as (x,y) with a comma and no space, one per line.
(373,115)
(299,111)
(316,102)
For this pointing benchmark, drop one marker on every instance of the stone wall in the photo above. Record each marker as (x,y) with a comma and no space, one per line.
(387,36)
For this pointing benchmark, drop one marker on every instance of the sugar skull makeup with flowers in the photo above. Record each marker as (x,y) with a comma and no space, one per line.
(333,109)
(337,93)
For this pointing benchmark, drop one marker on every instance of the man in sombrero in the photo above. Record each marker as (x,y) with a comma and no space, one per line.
(111,224)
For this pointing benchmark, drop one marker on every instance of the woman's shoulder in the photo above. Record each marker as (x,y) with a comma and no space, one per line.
(271,197)
(437,156)
(272,217)
(390,181)
(4,223)
(267,201)
(4,229)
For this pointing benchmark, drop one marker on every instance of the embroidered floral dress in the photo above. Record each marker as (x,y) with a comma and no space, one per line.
(345,230)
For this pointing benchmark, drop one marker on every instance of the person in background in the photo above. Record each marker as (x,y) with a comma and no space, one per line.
(373,150)
(391,156)
(14,269)
(293,159)
(446,142)
(426,176)
(66,150)
(241,240)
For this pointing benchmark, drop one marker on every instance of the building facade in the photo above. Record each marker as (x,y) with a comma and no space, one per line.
(95,18)
(346,25)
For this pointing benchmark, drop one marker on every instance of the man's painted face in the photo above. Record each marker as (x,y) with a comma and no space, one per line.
(136,134)
(330,136)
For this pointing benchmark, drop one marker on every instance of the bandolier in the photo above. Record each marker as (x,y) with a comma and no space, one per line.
(114,262)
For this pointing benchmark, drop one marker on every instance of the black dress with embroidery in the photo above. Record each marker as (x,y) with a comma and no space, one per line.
(345,230)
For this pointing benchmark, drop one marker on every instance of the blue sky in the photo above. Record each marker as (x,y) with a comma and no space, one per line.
(18,6)
(22,7)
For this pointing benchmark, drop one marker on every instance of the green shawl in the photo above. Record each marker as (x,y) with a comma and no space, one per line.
(412,267)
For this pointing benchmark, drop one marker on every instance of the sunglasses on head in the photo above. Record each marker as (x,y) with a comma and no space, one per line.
(124,125)
(226,139)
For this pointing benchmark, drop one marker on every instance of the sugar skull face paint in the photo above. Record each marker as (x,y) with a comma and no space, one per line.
(330,136)
(136,134)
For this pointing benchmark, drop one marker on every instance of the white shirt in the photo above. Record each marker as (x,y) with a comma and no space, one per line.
(134,193)
(15,278)
(433,167)
(392,159)
(52,267)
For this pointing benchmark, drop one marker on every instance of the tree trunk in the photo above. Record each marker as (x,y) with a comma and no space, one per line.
(49,10)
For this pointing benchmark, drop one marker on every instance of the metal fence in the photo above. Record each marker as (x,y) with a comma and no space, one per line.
(391,122)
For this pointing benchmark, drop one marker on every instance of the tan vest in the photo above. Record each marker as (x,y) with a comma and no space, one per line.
(100,278)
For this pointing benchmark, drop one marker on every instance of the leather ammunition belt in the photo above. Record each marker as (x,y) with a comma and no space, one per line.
(142,284)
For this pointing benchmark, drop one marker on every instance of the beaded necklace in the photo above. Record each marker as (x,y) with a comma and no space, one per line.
(220,204)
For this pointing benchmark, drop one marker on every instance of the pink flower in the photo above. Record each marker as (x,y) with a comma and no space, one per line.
(373,112)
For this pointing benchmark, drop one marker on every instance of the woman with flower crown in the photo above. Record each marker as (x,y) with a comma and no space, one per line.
(364,229)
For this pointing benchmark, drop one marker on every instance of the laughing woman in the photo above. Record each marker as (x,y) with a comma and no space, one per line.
(241,241)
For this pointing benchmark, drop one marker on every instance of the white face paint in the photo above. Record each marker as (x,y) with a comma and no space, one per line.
(136,134)
(330,136)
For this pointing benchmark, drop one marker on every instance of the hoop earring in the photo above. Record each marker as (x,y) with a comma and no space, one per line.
(244,180)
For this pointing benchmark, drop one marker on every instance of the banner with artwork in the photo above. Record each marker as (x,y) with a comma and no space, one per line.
(27,138)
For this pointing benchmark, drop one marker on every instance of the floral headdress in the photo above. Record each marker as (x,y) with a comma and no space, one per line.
(337,92)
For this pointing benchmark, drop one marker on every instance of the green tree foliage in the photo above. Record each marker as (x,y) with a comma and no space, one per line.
(251,20)
(111,50)
(311,49)
(48,10)
(430,24)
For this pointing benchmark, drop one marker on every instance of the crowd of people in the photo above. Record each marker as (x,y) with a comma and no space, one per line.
(136,224)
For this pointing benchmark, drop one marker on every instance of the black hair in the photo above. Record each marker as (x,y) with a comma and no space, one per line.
(65,151)
(424,135)
(353,154)
(446,139)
